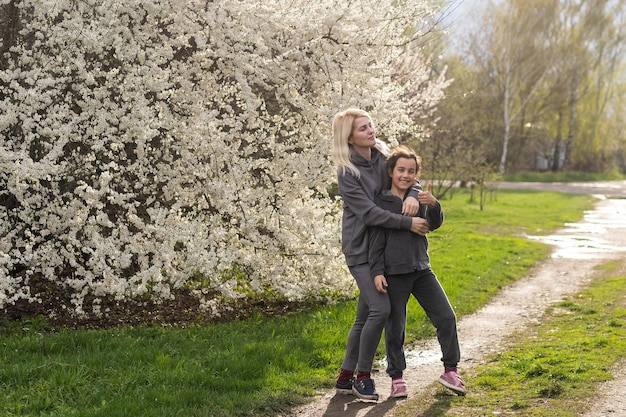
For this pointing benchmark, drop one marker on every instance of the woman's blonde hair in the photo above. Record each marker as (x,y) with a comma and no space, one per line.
(342,130)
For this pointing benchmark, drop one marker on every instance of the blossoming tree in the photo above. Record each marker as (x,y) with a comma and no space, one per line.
(147,147)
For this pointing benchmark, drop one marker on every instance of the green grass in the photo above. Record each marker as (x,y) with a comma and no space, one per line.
(260,366)
(553,371)
(222,370)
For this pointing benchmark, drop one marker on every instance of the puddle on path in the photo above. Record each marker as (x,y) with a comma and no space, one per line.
(600,234)
(594,236)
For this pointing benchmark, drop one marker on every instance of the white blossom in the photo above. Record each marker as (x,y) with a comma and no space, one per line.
(148,143)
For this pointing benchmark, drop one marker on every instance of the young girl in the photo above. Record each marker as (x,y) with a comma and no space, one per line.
(361,175)
(400,267)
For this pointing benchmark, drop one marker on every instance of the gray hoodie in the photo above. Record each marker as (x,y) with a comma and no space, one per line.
(395,252)
(359,209)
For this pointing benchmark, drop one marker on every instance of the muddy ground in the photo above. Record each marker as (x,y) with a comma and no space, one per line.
(578,248)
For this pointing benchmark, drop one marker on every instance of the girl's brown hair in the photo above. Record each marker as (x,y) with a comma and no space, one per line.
(402,151)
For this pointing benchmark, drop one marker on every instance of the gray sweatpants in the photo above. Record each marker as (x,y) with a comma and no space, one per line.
(372,313)
(426,288)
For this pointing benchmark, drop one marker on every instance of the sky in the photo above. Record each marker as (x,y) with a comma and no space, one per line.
(462,15)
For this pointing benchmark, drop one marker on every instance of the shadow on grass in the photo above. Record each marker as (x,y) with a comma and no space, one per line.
(440,407)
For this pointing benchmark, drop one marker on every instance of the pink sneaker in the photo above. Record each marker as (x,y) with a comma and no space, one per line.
(399,388)
(452,380)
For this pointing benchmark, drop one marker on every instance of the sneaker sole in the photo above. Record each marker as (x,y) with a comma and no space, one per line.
(344,391)
(456,390)
(364,396)
(400,395)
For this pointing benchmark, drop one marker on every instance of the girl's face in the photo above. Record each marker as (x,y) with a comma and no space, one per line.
(403,175)
(363,136)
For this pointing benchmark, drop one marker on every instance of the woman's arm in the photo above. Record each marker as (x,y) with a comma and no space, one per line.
(411,205)
(355,198)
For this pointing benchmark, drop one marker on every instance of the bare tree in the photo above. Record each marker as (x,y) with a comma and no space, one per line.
(518,57)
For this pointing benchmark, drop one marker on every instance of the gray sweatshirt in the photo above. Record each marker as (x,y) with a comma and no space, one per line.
(359,209)
(394,252)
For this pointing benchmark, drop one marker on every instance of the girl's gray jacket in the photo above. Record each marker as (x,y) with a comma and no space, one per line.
(359,209)
(395,252)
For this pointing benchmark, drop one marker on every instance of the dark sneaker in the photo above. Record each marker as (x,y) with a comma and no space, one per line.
(365,389)
(452,380)
(399,388)
(344,388)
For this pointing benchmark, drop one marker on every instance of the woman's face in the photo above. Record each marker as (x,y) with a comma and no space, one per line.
(403,175)
(363,135)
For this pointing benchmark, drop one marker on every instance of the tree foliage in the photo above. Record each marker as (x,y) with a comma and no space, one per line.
(148,147)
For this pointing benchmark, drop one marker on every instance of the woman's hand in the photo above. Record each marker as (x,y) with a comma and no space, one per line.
(420,226)
(381,283)
(410,206)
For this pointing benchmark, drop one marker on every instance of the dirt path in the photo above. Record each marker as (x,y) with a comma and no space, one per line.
(600,236)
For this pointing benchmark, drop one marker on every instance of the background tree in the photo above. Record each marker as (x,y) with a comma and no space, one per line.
(598,44)
(551,71)
(458,148)
(518,59)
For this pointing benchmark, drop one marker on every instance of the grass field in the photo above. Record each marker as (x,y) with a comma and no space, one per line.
(260,366)
(552,369)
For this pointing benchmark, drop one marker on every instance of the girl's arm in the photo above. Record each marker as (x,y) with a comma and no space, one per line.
(376,256)
(434,213)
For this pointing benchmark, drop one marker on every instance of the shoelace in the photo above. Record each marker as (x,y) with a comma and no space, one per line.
(368,383)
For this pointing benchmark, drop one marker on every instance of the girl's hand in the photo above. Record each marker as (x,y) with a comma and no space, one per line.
(381,283)
(426,197)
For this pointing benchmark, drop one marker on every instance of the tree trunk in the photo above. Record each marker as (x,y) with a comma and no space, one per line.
(10,24)
(572,123)
(507,125)
(556,155)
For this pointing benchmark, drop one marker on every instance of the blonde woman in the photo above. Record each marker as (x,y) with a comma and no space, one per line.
(361,174)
